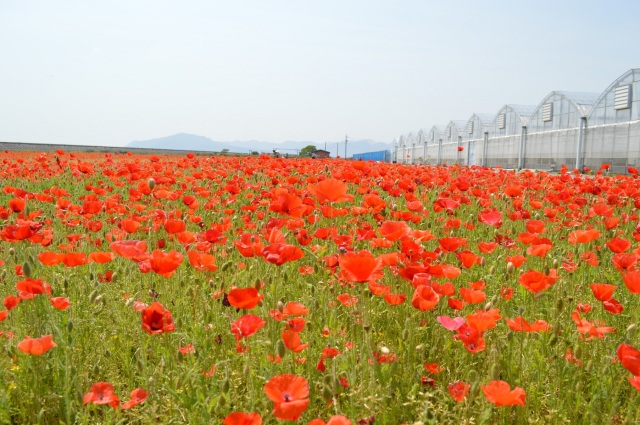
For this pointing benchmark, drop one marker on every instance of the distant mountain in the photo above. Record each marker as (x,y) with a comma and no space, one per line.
(184,141)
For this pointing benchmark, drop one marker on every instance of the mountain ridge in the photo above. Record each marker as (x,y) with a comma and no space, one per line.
(186,141)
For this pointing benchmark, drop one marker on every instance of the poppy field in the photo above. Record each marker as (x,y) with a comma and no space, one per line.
(250,290)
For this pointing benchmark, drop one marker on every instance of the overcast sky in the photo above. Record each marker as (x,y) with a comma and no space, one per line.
(110,72)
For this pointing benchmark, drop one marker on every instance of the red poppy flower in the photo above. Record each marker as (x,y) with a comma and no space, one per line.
(459,390)
(74,259)
(583,236)
(483,320)
(618,245)
(292,341)
(472,296)
(60,303)
(519,324)
(241,418)
(246,326)
(37,346)
(500,394)
(536,281)
(156,319)
(624,261)
(280,253)
(138,396)
(249,245)
(102,393)
(330,190)
(394,230)
(101,257)
(535,226)
(602,291)
(246,298)
(629,357)
(451,244)
(202,261)
(487,247)
(163,263)
(131,249)
(491,217)
(10,302)
(360,266)
(632,281)
(425,298)
(48,258)
(289,395)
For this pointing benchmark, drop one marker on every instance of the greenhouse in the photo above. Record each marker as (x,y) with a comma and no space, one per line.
(569,129)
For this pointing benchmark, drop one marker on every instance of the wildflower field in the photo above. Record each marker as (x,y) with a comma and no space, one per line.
(198,289)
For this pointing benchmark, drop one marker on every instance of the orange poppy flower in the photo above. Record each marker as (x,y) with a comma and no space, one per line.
(618,245)
(156,319)
(519,324)
(483,320)
(289,395)
(472,296)
(48,258)
(583,236)
(360,266)
(138,396)
(500,394)
(242,418)
(246,298)
(330,190)
(37,346)
(73,259)
(102,393)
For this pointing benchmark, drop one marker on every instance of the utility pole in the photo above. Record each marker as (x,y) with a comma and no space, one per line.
(346,138)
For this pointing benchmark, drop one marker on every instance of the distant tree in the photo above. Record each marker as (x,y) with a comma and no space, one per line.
(224,151)
(308,150)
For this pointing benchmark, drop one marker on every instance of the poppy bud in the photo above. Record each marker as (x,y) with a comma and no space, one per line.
(69,326)
(12,252)
(559,304)
(280,306)
(93,295)
(327,394)
(366,326)
(225,387)
(98,299)
(419,347)
(578,386)
(495,372)
(247,370)
(384,350)
(328,379)
(553,340)
(3,274)
(152,183)
(26,269)
(222,401)
(405,334)
(492,270)
(555,264)
(139,365)
(280,348)
(107,353)
(578,351)
(510,267)
(589,366)
(509,336)
(631,327)
(225,266)
(257,285)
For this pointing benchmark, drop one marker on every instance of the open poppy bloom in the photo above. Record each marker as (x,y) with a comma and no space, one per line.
(360,266)
(242,418)
(459,390)
(156,319)
(246,326)
(246,298)
(37,346)
(137,396)
(629,357)
(330,190)
(500,394)
(289,395)
(280,253)
(102,393)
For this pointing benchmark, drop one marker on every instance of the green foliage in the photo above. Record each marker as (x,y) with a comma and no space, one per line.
(307,150)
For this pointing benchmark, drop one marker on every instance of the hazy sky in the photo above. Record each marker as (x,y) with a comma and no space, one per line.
(110,72)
